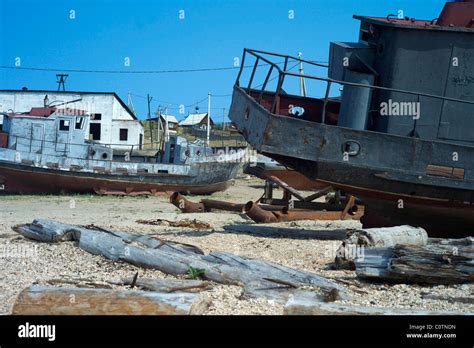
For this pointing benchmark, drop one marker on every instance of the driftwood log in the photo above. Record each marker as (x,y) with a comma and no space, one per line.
(450,299)
(287,232)
(304,306)
(49,300)
(167,285)
(356,240)
(175,258)
(444,262)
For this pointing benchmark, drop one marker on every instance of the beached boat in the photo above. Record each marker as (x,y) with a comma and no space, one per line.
(49,154)
(400,135)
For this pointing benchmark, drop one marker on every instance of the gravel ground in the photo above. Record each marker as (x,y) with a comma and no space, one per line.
(66,261)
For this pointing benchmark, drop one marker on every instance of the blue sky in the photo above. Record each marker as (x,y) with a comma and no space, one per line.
(151,34)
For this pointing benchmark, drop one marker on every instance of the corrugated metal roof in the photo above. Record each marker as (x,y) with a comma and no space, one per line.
(42,112)
(193,119)
(48,111)
(171,118)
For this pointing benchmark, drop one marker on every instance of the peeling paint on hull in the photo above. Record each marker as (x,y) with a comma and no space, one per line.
(395,172)
(25,179)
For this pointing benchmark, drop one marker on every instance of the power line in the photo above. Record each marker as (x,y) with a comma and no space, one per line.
(118,71)
(205,98)
(273,78)
(159,101)
(136,71)
(196,103)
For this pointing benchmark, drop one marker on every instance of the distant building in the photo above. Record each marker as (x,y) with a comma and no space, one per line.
(196,121)
(155,127)
(111,120)
(172,122)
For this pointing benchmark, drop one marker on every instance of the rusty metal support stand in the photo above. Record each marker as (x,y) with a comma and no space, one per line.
(268,194)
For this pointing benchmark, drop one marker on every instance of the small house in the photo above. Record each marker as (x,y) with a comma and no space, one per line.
(197,120)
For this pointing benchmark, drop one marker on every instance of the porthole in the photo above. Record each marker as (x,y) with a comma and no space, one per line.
(352,148)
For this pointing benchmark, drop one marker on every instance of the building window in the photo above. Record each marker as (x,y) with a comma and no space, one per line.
(96,117)
(94,131)
(63,125)
(79,122)
(123,134)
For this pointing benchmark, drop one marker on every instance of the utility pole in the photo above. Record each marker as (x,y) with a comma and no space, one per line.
(159,126)
(223,119)
(61,79)
(148,98)
(149,102)
(166,125)
(223,126)
(208,117)
(302,81)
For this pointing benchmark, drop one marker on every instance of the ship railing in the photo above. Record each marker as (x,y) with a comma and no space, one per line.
(259,56)
(107,165)
(28,141)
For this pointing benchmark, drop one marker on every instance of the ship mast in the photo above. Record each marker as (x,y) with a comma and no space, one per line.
(302,81)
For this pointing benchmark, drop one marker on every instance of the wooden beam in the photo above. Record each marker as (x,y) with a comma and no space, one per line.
(49,300)
(357,241)
(440,263)
(303,306)
(286,232)
(167,284)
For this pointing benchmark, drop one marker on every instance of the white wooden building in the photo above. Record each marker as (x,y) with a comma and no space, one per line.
(112,122)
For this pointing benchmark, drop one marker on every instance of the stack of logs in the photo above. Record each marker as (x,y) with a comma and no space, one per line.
(399,254)
(259,278)
(405,254)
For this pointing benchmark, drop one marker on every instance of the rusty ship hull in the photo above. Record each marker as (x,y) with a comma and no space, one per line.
(397,190)
(28,179)
(397,133)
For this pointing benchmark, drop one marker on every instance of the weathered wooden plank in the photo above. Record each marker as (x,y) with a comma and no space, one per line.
(168,285)
(377,237)
(388,236)
(305,306)
(284,232)
(270,270)
(280,293)
(450,299)
(439,263)
(48,300)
